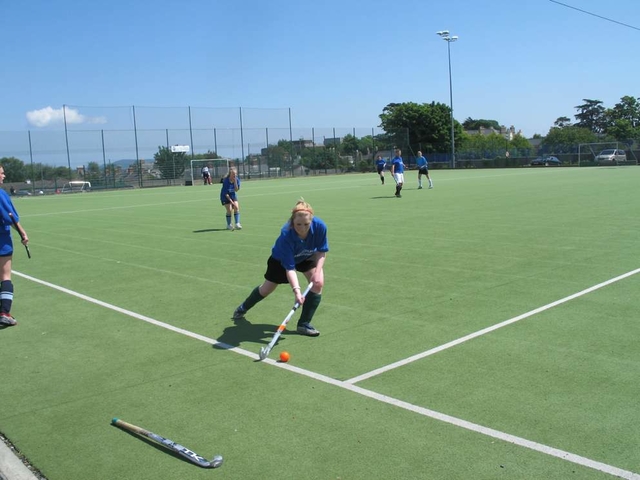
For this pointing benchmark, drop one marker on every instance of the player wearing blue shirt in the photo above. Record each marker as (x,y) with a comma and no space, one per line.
(397,171)
(301,247)
(7,210)
(229,199)
(423,169)
(380,165)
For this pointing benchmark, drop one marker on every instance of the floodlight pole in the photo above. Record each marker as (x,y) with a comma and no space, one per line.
(444,34)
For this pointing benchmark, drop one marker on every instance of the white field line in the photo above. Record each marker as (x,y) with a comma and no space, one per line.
(522,442)
(484,331)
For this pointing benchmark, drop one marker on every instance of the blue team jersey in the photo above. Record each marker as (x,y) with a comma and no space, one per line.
(6,207)
(228,188)
(290,249)
(422,162)
(380,164)
(398,165)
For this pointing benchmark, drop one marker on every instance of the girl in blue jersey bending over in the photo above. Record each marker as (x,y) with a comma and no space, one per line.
(7,211)
(229,199)
(301,246)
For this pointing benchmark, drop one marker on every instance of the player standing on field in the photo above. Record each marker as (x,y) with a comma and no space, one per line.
(380,165)
(301,246)
(206,175)
(423,169)
(397,171)
(6,253)
(229,199)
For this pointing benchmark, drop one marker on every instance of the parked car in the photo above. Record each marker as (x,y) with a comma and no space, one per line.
(546,161)
(611,156)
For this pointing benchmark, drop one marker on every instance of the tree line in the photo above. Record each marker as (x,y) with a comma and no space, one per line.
(408,125)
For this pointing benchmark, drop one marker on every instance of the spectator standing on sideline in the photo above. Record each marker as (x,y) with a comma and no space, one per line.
(206,175)
(6,253)
(397,171)
(301,246)
(229,199)
(423,169)
(380,166)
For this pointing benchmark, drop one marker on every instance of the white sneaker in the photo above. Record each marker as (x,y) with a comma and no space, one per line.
(238,226)
(430,186)
(229,227)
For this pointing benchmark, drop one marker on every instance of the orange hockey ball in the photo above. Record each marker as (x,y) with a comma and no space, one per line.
(284,356)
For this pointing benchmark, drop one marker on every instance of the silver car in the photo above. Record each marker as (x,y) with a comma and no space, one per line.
(611,156)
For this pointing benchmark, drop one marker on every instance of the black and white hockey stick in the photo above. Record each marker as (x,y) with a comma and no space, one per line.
(15,224)
(175,447)
(264,351)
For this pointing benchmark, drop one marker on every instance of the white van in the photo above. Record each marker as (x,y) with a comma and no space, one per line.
(611,156)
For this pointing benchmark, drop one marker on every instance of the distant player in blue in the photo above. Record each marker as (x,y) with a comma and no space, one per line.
(229,199)
(397,171)
(423,169)
(6,253)
(301,247)
(380,166)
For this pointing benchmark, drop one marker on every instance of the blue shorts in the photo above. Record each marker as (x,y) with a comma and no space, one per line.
(6,244)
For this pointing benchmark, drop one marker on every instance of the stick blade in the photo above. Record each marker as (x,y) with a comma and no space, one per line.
(264,352)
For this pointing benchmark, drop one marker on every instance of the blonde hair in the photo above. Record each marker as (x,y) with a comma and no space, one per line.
(301,207)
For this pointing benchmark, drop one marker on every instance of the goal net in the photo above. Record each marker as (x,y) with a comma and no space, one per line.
(217,167)
(76,187)
(588,153)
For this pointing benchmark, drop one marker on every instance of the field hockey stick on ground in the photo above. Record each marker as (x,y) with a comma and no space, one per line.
(15,224)
(264,351)
(174,447)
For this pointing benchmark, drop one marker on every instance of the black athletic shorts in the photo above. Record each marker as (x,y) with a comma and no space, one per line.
(423,171)
(276,273)
(380,170)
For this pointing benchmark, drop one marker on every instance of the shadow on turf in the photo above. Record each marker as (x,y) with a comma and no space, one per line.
(207,230)
(245,331)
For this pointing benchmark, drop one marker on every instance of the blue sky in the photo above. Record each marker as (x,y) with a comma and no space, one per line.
(333,63)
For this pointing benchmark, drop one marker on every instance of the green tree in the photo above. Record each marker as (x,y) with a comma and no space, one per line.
(562,122)
(428,125)
(623,131)
(93,174)
(564,140)
(349,145)
(14,169)
(628,108)
(591,115)
(171,165)
(472,124)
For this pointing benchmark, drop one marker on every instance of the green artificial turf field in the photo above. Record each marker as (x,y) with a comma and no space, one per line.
(461,336)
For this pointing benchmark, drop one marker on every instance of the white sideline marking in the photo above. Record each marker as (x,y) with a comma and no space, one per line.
(479,333)
(523,442)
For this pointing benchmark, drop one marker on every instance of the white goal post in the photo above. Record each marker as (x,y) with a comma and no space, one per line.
(76,186)
(218,168)
(587,153)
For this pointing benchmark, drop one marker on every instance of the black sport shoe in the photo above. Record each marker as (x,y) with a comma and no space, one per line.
(308,330)
(238,314)
(7,320)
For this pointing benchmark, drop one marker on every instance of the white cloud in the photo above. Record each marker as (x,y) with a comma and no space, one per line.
(50,116)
